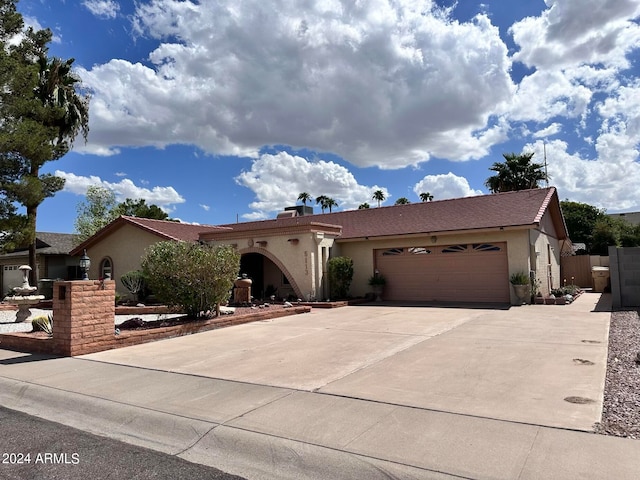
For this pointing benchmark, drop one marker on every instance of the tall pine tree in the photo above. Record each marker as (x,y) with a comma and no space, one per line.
(41,112)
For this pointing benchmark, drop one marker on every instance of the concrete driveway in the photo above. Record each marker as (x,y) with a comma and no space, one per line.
(520,364)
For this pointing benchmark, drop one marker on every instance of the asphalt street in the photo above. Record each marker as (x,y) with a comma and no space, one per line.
(35,449)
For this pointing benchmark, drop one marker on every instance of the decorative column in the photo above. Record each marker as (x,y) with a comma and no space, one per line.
(83,316)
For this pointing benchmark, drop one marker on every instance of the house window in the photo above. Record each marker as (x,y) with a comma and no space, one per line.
(419,251)
(393,251)
(455,249)
(485,247)
(106,268)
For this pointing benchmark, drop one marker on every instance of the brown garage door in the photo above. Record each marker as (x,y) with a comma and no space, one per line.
(475,272)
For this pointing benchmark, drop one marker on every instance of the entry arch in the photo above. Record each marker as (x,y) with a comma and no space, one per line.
(278,263)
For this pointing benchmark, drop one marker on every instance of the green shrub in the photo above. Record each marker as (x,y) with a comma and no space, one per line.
(520,278)
(194,277)
(43,323)
(340,270)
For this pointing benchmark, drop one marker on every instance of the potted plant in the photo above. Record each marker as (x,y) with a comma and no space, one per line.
(521,283)
(377,282)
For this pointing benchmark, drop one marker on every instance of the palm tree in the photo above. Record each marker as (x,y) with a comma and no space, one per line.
(56,90)
(379,196)
(330,202)
(363,206)
(517,172)
(322,200)
(304,197)
(402,201)
(426,197)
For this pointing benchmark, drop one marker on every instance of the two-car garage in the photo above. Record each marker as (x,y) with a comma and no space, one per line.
(474,272)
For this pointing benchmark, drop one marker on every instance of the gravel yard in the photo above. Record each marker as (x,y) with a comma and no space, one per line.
(621,409)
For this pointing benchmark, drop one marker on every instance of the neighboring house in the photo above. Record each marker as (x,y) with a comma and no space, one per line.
(52,258)
(457,250)
(119,247)
(631,217)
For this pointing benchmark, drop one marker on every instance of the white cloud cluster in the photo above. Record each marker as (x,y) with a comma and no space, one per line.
(575,32)
(378,82)
(609,183)
(164,197)
(445,186)
(278,179)
(102,8)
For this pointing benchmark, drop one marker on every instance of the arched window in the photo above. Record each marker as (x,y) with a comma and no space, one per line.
(106,268)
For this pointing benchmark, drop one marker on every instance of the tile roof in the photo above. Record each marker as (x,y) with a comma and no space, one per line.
(172,230)
(510,209)
(166,230)
(47,243)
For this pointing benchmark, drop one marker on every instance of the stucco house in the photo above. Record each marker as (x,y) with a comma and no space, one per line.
(119,247)
(457,250)
(52,257)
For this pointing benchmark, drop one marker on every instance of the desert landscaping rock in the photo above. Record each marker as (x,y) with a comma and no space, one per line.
(621,408)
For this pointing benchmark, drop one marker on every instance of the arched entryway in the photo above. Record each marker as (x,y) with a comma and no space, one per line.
(269,276)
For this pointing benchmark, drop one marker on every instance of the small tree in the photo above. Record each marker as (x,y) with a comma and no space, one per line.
(195,277)
(95,213)
(402,201)
(139,208)
(340,270)
(133,281)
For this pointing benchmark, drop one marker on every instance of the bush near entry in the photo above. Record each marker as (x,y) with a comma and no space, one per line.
(194,277)
(340,271)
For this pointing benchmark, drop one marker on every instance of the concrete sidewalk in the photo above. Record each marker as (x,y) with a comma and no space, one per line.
(366,421)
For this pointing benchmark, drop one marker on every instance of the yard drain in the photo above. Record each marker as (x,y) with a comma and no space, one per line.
(579,400)
(580,361)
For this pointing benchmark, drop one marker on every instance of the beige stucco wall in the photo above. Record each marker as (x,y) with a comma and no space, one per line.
(302,256)
(125,247)
(546,250)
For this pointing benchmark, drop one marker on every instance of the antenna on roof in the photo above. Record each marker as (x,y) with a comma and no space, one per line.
(546,175)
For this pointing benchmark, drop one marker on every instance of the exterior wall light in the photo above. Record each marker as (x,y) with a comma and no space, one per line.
(84,264)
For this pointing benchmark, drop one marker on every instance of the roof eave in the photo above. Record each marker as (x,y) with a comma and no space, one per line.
(441,232)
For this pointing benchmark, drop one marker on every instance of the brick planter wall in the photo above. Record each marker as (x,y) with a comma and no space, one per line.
(83,322)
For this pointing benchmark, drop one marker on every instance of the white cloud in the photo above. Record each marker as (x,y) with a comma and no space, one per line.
(278,179)
(164,197)
(609,183)
(575,32)
(556,94)
(102,8)
(120,174)
(378,83)
(206,208)
(549,131)
(445,186)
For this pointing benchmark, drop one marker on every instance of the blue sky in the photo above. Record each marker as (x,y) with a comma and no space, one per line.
(218,110)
